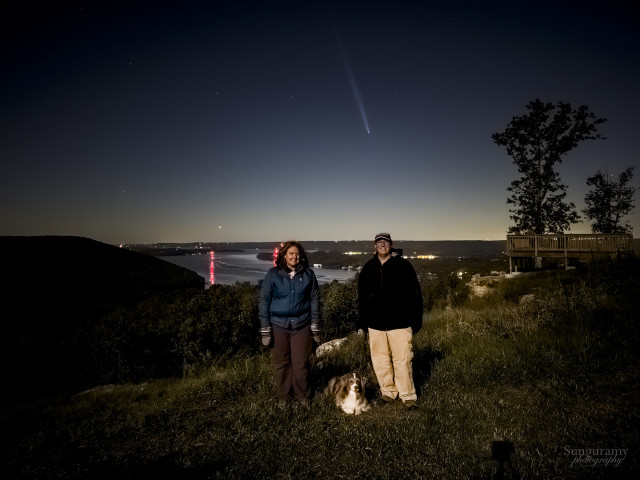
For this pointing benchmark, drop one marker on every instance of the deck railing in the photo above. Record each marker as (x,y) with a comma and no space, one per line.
(567,245)
(570,243)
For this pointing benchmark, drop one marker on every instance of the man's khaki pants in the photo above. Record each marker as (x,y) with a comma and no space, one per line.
(391,355)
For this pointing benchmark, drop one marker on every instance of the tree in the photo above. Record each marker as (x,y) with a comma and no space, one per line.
(537,141)
(608,201)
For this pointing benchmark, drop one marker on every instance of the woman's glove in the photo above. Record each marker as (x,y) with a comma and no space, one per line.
(265,336)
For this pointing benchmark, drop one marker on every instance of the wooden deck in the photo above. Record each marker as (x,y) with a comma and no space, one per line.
(567,246)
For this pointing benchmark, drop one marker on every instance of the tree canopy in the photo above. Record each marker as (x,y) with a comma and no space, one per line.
(609,201)
(537,141)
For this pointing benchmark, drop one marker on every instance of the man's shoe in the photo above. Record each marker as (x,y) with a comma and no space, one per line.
(387,399)
(411,404)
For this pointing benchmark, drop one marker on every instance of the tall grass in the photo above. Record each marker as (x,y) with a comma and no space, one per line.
(542,380)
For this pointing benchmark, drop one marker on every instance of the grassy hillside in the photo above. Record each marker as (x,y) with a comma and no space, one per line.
(542,386)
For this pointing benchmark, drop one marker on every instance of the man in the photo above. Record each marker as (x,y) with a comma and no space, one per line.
(390,304)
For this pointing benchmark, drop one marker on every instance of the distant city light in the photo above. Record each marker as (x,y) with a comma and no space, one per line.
(421,257)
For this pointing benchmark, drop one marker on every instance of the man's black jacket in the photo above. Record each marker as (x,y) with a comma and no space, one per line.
(389,295)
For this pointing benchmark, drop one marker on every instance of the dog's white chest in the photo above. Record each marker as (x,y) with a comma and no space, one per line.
(354,403)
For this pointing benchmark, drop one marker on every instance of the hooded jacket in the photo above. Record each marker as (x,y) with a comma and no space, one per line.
(289,302)
(389,295)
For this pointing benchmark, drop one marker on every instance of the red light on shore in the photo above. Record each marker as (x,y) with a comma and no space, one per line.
(211,270)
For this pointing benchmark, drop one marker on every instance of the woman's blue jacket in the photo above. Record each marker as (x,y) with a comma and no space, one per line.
(291,303)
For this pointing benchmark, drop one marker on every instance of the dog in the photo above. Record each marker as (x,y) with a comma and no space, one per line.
(348,392)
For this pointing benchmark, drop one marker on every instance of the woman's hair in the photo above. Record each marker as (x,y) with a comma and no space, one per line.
(281,261)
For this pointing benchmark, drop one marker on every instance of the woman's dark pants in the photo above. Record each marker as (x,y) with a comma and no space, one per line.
(290,358)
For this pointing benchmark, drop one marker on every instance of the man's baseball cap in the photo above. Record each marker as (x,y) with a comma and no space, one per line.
(383,236)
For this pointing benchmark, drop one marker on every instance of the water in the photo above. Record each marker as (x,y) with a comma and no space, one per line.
(227,268)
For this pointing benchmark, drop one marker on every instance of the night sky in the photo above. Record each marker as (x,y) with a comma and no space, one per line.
(141,122)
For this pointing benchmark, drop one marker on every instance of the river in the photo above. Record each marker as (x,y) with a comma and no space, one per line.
(227,267)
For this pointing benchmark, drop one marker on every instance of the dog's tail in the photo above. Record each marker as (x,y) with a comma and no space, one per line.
(333,388)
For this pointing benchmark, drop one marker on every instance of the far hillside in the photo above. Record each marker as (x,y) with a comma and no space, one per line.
(449,248)
(52,265)
(56,289)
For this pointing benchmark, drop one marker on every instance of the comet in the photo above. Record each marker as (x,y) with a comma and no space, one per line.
(354,86)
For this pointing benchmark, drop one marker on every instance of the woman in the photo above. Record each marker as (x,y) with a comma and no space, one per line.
(289,317)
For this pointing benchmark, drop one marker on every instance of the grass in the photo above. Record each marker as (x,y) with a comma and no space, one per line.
(543,379)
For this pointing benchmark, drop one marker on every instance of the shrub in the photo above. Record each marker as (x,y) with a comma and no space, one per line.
(442,291)
(339,303)
(170,336)
(137,343)
(217,324)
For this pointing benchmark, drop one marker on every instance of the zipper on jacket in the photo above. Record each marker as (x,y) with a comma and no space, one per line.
(382,315)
